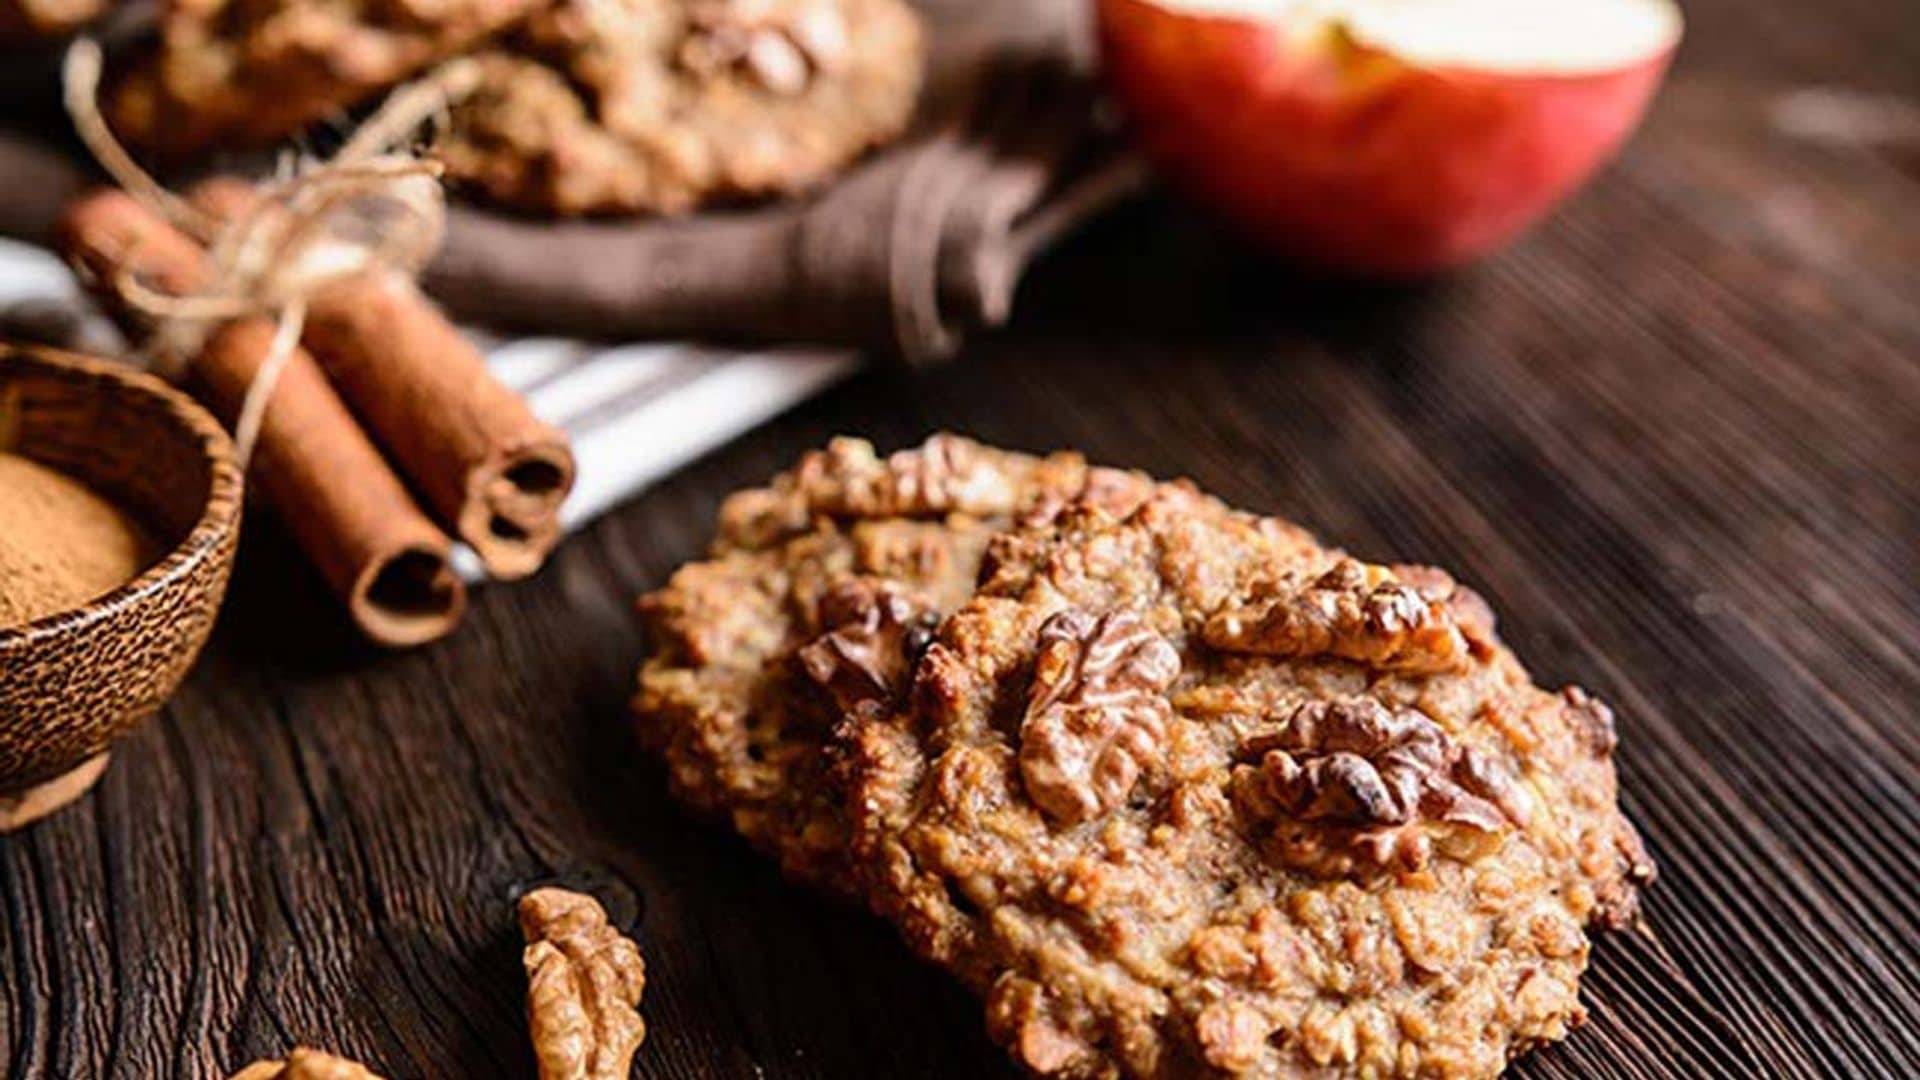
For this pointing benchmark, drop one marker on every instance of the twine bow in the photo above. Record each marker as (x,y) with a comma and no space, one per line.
(372,205)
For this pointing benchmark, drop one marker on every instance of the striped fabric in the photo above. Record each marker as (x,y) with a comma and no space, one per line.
(635,412)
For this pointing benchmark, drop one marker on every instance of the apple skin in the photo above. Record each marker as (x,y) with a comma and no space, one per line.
(1343,156)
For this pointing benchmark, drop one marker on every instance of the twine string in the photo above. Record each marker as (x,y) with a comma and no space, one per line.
(80,86)
(372,206)
(253,408)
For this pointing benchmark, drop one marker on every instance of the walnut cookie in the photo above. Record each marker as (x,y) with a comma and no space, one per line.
(249,72)
(1185,794)
(27,20)
(622,106)
(820,589)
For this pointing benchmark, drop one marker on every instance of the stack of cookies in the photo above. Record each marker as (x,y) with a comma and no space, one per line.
(585,106)
(1178,790)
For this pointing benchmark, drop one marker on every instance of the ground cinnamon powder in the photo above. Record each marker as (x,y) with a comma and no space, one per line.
(61,544)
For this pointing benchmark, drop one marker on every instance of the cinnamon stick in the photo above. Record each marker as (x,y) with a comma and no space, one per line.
(483,464)
(345,506)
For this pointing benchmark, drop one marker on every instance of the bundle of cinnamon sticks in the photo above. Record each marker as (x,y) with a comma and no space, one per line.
(384,432)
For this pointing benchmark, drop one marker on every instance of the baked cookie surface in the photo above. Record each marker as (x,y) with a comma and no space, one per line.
(818,593)
(249,72)
(1183,793)
(623,106)
(25,20)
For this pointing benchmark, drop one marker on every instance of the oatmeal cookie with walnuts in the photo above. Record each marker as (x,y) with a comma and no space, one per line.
(28,20)
(1190,795)
(249,72)
(819,592)
(659,106)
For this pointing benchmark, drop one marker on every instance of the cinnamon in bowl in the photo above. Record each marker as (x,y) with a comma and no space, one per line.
(63,545)
(119,516)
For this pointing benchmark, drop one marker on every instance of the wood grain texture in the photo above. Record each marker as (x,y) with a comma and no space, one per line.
(1674,436)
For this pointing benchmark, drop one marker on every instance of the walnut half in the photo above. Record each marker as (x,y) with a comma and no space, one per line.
(1097,711)
(780,43)
(872,637)
(946,474)
(305,1064)
(584,981)
(1352,785)
(1355,611)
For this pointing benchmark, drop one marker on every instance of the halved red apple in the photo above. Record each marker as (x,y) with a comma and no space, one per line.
(1384,137)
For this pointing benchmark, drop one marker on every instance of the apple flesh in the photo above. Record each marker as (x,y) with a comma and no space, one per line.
(1384,137)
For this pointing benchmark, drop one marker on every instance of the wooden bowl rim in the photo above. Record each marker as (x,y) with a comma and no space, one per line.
(205,540)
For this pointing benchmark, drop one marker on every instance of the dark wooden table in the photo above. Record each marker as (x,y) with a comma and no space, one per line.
(1674,435)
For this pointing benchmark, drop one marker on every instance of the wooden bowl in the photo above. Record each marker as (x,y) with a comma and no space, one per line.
(73,682)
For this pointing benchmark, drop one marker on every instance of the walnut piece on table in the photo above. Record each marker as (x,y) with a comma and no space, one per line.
(584,980)
(305,1064)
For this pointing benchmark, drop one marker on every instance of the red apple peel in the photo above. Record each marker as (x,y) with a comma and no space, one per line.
(1341,153)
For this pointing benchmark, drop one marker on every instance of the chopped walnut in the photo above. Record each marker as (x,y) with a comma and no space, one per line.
(1469,608)
(945,474)
(1591,720)
(1232,1035)
(1348,784)
(1097,710)
(1116,492)
(583,988)
(872,637)
(305,1064)
(780,43)
(1617,903)
(1020,1014)
(1355,611)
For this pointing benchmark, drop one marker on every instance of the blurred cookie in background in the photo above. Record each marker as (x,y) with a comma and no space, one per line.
(225,73)
(643,106)
(27,20)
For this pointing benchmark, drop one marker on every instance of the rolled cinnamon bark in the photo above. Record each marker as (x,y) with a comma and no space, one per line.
(482,462)
(344,505)
(351,514)
(485,466)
